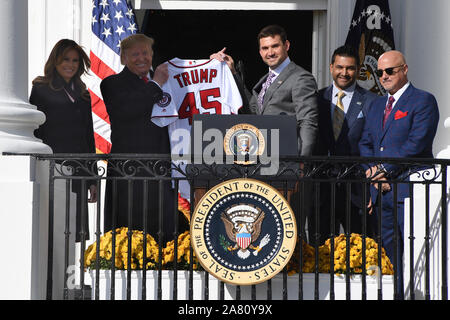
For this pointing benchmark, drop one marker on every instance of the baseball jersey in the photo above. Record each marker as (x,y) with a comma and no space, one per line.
(193,87)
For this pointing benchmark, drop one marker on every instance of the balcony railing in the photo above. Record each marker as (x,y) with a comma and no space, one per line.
(424,262)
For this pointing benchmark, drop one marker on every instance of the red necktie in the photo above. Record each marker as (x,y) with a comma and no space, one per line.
(388,109)
(145,79)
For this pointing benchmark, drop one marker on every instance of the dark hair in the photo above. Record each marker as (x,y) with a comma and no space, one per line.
(56,57)
(272,31)
(346,51)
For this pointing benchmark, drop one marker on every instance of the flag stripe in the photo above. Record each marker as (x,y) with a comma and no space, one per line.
(109,57)
(98,107)
(93,83)
(102,128)
(100,68)
(243,239)
(101,144)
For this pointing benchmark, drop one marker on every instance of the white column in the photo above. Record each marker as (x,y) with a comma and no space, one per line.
(18,119)
(445,153)
(23,239)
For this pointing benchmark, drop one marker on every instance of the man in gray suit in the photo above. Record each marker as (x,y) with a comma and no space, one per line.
(343,108)
(286,89)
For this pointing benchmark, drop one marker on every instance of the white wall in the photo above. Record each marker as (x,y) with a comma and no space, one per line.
(22,276)
(50,21)
(421,33)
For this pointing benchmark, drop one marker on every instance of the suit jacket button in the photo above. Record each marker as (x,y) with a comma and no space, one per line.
(382,148)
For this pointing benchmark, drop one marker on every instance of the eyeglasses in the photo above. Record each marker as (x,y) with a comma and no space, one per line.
(389,71)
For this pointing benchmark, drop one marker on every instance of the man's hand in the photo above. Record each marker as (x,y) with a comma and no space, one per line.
(302,169)
(370,206)
(385,187)
(161,74)
(372,174)
(222,56)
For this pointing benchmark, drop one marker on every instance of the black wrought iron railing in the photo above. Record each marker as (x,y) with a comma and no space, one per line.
(303,181)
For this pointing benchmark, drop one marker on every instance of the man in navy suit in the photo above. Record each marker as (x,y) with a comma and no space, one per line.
(343,108)
(402,124)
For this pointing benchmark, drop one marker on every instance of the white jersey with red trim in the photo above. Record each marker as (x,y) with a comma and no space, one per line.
(193,87)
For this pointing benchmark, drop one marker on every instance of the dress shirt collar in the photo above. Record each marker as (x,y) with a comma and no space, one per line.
(345,100)
(348,92)
(399,93)
(281,67)
(148,76)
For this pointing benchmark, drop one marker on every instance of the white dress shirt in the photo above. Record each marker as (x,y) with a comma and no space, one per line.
(345,100)
(398,94)
(280,68)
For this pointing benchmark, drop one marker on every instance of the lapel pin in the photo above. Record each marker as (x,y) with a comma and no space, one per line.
(359,102)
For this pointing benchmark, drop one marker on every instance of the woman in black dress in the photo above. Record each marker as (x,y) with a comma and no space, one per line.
(62,96)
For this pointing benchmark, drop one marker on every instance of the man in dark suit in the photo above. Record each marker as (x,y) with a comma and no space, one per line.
(402,124)
(343,108)
(286,89)
(129,97)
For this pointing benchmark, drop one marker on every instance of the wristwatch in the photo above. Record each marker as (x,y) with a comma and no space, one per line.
(380,169)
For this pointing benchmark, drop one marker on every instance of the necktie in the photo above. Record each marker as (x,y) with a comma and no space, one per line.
(338,115)
(264,89)
(145,79)
(388,109)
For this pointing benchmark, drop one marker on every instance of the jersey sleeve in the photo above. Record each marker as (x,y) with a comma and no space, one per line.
(165,110)
(232,97)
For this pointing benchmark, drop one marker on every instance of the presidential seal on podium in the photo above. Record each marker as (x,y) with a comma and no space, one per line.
(244,140)
(243,231)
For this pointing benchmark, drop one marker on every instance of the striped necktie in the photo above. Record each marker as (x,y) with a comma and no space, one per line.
(338,115)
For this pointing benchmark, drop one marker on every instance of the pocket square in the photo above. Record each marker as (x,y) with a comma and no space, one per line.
(360,115)
(400,114)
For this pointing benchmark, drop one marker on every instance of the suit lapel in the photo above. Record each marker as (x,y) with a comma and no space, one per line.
(399,105)
(355,107)
(257,88)
(352,114)
(326,111)
(276,84)
(379,108)
(131,78)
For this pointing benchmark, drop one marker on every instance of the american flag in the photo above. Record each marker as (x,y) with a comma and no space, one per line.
(112,21)
(372,34)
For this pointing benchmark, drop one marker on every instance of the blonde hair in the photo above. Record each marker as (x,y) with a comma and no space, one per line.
(131,41)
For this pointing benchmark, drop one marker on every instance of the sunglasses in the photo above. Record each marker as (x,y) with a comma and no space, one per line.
(389,71)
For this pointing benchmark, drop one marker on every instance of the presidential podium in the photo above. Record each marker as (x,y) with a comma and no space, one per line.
(225,147)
